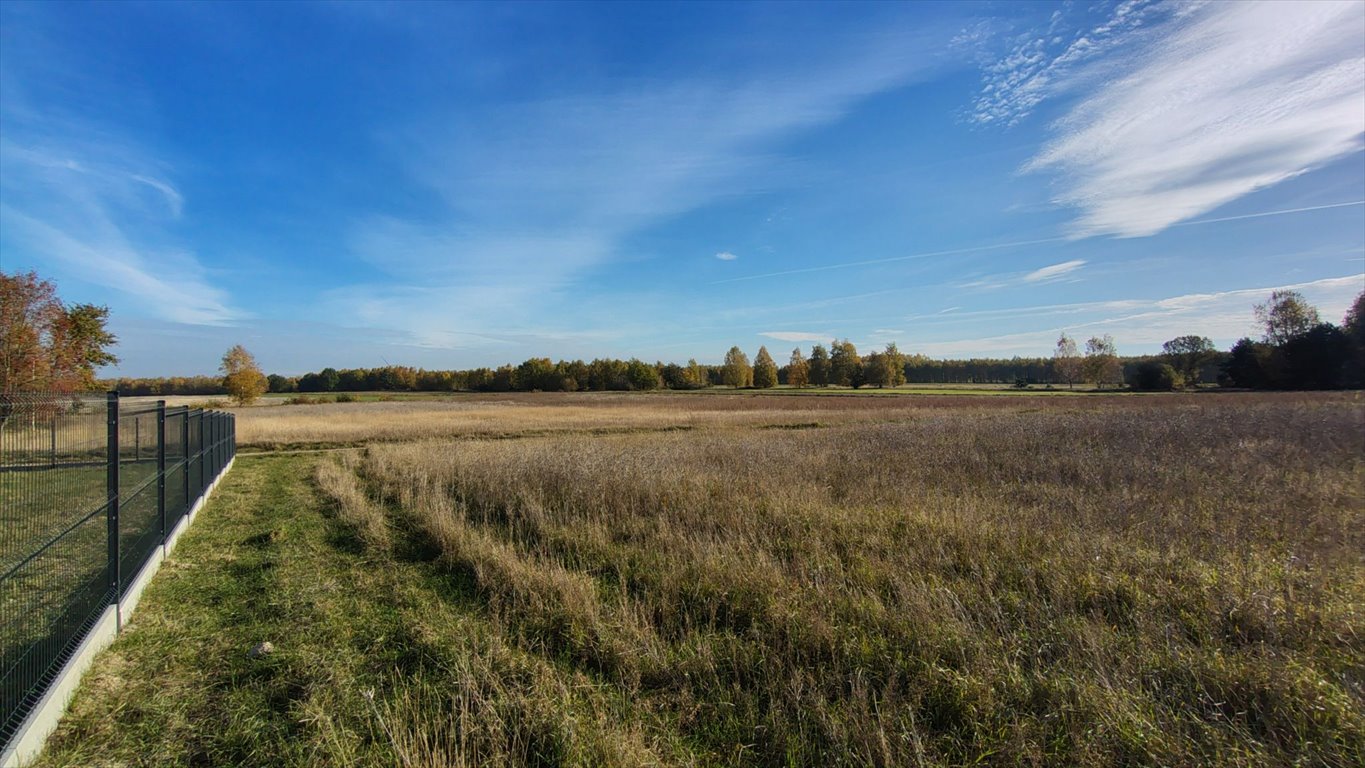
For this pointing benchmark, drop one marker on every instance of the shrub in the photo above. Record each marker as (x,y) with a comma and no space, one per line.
(1153,376)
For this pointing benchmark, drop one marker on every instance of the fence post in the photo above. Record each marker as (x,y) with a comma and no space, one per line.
(54,439)
(111,509)
(185,459)
(161,466)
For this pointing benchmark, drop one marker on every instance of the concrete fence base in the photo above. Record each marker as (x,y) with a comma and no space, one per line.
(32,734)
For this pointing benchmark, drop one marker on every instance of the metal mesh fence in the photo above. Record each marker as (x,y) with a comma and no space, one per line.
(88,492)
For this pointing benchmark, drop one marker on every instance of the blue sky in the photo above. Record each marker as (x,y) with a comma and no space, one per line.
(454,185)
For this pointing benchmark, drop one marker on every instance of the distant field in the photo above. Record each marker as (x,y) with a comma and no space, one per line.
(753,580)
(524,414)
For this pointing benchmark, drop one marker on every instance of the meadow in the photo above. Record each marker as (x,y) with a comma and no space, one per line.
(760,580)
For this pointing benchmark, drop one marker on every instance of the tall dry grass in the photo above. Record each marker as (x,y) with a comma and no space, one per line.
(1173,584)
(530,414)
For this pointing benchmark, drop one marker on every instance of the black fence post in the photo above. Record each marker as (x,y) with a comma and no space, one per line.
(161,466)
(111,509)
(185,458)
(213,449)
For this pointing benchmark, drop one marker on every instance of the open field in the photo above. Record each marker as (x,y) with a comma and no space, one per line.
(527,414)
(679,580)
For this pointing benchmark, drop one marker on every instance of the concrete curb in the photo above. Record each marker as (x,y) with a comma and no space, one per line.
(32,734)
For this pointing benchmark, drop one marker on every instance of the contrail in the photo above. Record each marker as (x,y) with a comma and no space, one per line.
(1019,244)
(1270,213)
(929,254)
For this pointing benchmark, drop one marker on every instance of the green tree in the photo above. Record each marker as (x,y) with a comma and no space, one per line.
(1187,355)
(845,367)
(1066,361)
(819,366)
(1353,325)
(1155,376)
(278,383)
(642,376)
(242,376)
(765,370)
(1250,365)
(1102,365)
(538,373)
(736,371)
(1286,315)
(798,373)
(874,369)
(84,343)
(1316,359)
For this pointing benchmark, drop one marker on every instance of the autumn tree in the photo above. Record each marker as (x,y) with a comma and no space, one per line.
(45,345)
(874,369)
(819,366)
(698,377)
(736,371)
(798,373)
(765,370)
(1102,364)
(1066,361)
(845,367)
(242,376)
(1187,355)
(642,375)
(1286,315)
(885,368)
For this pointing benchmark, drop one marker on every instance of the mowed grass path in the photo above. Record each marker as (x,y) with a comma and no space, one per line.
(371,655)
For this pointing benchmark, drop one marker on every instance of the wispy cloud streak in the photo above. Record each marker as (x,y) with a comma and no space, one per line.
(1054,272)
(1017,244)
(1228,99)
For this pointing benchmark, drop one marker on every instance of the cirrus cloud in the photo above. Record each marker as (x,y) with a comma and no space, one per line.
(1053,272)
(1229,99)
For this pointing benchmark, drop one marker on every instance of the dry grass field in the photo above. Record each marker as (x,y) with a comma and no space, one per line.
(776,581)
(271,426)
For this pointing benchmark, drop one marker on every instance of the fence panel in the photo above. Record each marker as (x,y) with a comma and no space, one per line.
(88,491)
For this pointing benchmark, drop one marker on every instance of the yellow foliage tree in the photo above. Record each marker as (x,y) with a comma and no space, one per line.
(243,378)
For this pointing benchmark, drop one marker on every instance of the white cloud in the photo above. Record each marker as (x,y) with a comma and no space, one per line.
(1224,316)
(1229,98)
(796,336)
(167,285)
(1047,274)
(539,193)
(1041,64)
(174,201)
(84,199)
(80,202)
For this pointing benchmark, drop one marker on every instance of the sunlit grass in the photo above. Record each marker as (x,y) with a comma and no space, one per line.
(1155,581)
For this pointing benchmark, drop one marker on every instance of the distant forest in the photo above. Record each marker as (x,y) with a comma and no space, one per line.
(1297,351)
(609,375)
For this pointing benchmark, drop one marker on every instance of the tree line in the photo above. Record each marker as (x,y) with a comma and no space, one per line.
(48,346)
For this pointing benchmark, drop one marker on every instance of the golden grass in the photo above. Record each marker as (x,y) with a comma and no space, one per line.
(1173,581)
(517,415)
(761,581)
